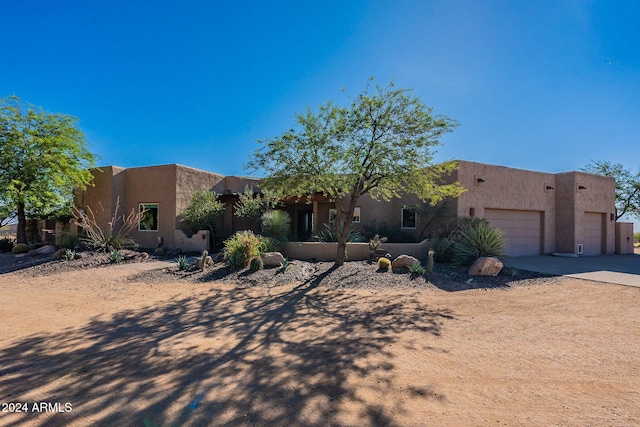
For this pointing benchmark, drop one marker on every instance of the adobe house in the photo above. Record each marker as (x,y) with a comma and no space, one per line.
(571,212)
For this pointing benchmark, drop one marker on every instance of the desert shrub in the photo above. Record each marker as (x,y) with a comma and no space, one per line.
(328,234)
(284,265)
(69,241)
(69,254)
(269,244)
(393,234)
(276,224)
(240,248)
(21,248)
(256,264)
(7,244)
(384,264)
(417,269)
(477,240)
(182,263)
(442,249)
(115,256)
(115,236)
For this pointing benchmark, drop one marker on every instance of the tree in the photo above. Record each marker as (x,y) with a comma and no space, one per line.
(381,145)
(203,211)
(43,159)
(252,206)
(627,186)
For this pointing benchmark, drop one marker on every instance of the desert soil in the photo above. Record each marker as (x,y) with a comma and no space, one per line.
(114,346)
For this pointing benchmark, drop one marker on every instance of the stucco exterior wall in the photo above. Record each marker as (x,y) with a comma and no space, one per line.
(189,180)
(508,188)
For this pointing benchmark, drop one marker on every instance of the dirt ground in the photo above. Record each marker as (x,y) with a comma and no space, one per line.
(93,347)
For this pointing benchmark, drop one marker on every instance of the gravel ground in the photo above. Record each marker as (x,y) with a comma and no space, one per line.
(354,274)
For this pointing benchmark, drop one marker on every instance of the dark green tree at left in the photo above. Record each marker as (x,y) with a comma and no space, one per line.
(43,159)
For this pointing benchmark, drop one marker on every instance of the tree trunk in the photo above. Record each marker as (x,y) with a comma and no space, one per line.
(343,221)
(22,224)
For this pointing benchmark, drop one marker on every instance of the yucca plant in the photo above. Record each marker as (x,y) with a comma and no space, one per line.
(276,224)
(328,234)
(477,240)
(115,256)
(182,262)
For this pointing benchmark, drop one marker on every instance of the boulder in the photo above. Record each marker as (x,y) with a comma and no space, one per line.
(128,254)
(403,261)
(44,250)
(142,256)
(208,262)
(486,266)
(58,254)
(272,259)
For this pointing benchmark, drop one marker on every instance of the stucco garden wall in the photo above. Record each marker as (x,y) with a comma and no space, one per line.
(355,251)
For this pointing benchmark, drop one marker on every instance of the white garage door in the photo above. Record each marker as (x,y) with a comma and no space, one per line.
(522,230)
(592,232)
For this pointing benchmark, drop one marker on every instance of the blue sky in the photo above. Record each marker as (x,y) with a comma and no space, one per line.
(541,85)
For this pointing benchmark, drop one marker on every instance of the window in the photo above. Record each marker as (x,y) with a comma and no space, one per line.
(333,213)
(408,218)
(148,217)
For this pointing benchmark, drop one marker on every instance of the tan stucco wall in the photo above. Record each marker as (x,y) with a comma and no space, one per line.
(598,196)
(508,188)
(189,180)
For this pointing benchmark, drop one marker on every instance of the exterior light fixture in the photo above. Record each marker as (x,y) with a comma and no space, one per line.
(581,187)
(548,187)
(479,180)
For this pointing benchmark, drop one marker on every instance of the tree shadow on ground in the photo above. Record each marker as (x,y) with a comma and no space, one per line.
(226,358)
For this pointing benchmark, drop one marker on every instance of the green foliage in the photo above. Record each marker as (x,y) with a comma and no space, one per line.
(21,248)
(240,248)
(276,224)
(393,234)
(117,233)
(328,234)
(384,264)
(7,244)
(252,205)
(284,265)
(69,254)
(256,264)
(627,186)
(381,145)
(477,240)
(69,241)
(442,248)
(417,269)
(44,158)
(270,244)
(203,211)
(182,262)
(115,256)
(636,236)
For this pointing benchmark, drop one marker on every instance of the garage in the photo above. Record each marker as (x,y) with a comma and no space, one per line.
(522,230)
(592,233)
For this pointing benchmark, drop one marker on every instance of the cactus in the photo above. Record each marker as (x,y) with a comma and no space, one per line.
(384,264)
(374,246)
(256,264)
(203,260)
(430,255)
(21,248)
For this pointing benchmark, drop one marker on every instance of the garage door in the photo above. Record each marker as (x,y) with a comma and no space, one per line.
(592,233)
(522,230)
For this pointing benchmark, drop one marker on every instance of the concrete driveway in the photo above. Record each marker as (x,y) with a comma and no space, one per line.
(619,269)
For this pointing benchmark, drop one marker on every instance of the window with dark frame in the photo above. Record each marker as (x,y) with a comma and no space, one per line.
(408,218)
(148,216)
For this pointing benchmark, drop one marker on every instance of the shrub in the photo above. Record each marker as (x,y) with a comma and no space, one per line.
(477,240)
(442,249)
(328,234)
(384,264)
(21,248)
(69,254)
(256,264)
(115,236)
(284,265)
(269,244)
(7,244)
(417,269)
(69,241)
(240,248)
(115,256)
(182,262)
(276,224)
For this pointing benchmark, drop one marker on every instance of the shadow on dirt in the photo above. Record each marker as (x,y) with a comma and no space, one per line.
(226,358)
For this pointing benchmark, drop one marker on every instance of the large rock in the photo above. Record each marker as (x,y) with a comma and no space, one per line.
(272,259)
(44,250)
(59,254)
(208,262)
(486,266)
(403,261)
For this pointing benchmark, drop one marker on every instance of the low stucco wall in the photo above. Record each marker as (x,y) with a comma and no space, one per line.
(355,251)
(196,243)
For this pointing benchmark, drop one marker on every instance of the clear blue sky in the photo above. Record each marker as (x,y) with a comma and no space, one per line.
(541,85)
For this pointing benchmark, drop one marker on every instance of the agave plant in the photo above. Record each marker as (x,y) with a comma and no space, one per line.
(328,234)
(475,241)
(276,225)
